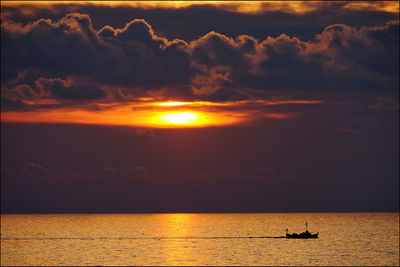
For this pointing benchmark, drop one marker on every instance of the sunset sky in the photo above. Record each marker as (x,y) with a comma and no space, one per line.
(199,106)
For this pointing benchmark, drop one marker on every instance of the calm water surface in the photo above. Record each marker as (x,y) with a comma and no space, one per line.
(199,239)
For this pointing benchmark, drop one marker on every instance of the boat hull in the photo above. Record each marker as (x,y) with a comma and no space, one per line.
(302,236)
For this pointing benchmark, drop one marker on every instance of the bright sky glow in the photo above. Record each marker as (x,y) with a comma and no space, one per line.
(149,113)
(172,103)
(180,118)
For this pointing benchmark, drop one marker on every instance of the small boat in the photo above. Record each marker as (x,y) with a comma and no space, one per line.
(303,235)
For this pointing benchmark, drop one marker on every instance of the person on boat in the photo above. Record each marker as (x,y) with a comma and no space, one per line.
(307,229)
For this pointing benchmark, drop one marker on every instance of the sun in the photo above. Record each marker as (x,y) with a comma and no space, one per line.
(180,118)
(172,114)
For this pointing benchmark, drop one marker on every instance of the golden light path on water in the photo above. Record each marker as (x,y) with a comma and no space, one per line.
(218,239)
(155,114)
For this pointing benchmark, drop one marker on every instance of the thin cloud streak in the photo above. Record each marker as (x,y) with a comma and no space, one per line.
(151,114)
(252,7)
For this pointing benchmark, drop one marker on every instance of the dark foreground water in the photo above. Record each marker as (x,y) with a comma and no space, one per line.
(199,239)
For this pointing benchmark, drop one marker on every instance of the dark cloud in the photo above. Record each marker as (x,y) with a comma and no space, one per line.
(139,169)
(131,56)
(108,169)
(385,103)
(64,89)
(341,58)
(67,45)
(368,49)
(9,104)
(34,167)
(188,23)
(142,55)
(73,61)
(145,132)
(66,92)
(24,91)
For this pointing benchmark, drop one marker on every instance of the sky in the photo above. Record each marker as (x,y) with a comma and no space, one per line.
(199,106)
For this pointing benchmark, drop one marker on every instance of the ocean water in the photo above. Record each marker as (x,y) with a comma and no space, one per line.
(199,239)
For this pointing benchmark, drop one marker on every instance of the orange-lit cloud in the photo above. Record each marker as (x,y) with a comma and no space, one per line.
(159,114)
(252,7)
(386,6)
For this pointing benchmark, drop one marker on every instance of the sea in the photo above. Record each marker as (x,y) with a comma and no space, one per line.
(241,239)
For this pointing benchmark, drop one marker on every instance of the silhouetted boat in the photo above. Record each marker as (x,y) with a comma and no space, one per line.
(302,235)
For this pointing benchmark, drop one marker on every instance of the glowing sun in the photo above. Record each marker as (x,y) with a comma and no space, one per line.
(180,118)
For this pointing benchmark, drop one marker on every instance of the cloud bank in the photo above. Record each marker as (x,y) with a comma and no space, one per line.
(68,61)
